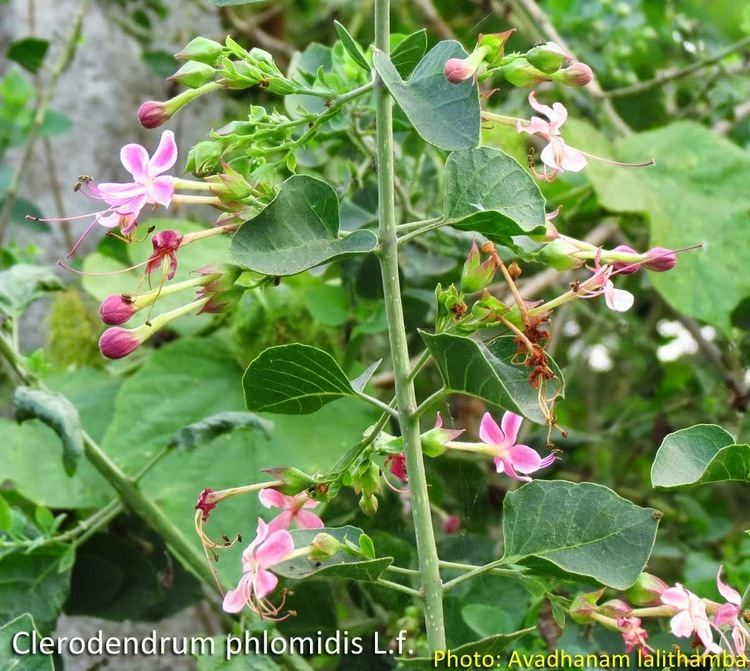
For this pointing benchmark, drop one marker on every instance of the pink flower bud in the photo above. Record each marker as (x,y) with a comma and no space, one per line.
(626,267)
(458,70)
(116,309)
(205,503)
(577,74)
(615,608)
(153,114)
(396,464)
(660,259)
(116,342)
(451,524)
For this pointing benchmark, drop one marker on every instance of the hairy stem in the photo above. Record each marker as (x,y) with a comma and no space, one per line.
(432,588)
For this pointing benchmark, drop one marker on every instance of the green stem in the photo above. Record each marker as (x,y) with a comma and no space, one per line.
(432,587)
(425,405)
(378,404)
(44,100)
(424,229)
(493,567)
(397,587)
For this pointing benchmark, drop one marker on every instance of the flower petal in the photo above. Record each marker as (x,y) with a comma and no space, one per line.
(134,159)
(542,109)
(275,549)
(677,597)
(681,625)
(165,155)
(490,432)
(281,521)
(271,498)
(726,614)
(729,593)
(524,459)
(571,159)
(308,520)
(559,116)
(618,300)
(236,599)
(511,472)
(161,191)
(511,424)
(264,582)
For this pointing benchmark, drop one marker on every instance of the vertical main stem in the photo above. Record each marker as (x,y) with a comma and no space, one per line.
(432,587)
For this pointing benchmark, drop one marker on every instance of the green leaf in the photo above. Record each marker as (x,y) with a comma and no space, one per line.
(204,431)
(234,3)
(444,114)
(700,454)
(160,62)
(59,414)
(486,620)
(6,515)
(489,192)
(360,382)
(490,645)
(9,661)
(23,284)
(406,55)
(297,231)
(486,371)
(696,193)
(28,52)
(294,379)
(578,529)
(32,582)
(340,565)
(329,304)
(351,46)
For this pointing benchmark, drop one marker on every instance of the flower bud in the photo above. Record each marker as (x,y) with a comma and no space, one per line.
(205,503)
(153,114)
(457,70)
(647,590)
(433,441)
(476,274)
(204,158)
(520,72)
(117,309)
(558,254)
(577,74)
(368,504)
(548,57)
(615,608)
(200,49)
(626,267)
(194,74)
(660,259)
(116,342)
(495,44)
(584,605)
(323,547)
(451,524)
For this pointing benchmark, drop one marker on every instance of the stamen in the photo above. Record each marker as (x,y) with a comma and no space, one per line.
(64,265)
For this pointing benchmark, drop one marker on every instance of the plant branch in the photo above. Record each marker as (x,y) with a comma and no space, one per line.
(43,103)
(398,587)
(409,423)
(379,404)
(669,75)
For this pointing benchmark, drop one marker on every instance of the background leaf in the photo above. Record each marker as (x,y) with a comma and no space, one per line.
(197,433)
(444,114)
(22,284)
(28,52)
(9,661)
(407,53)
(297,231)
(582,529)
(700,454)
(351,45)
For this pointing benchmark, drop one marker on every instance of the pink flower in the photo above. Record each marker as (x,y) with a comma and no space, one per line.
(556,155)
(153,114)
(633,634)
(618,300)
(728,614)
(450,524)
(294,510)
(396,464)
(165,245)
(257,582)
(691,617)
(511,458)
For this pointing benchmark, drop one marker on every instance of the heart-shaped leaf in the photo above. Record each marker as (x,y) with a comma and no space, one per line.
(59,414)
(444,114)
(490,645)
(486,371)
(341,565)
(294,380)
(489,192)
(197,433)
(578,529)
(22,284)
(700,454)
(297,231)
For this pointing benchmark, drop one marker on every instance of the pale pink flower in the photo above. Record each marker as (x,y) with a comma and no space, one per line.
(511,458)
(691,617)
(257,582)
(618,300)
(294,509)
(729,613)
(633,634)
(556,155)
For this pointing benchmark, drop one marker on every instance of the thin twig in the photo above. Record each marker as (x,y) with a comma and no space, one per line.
(43,102)
(434,21)
(669,75)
